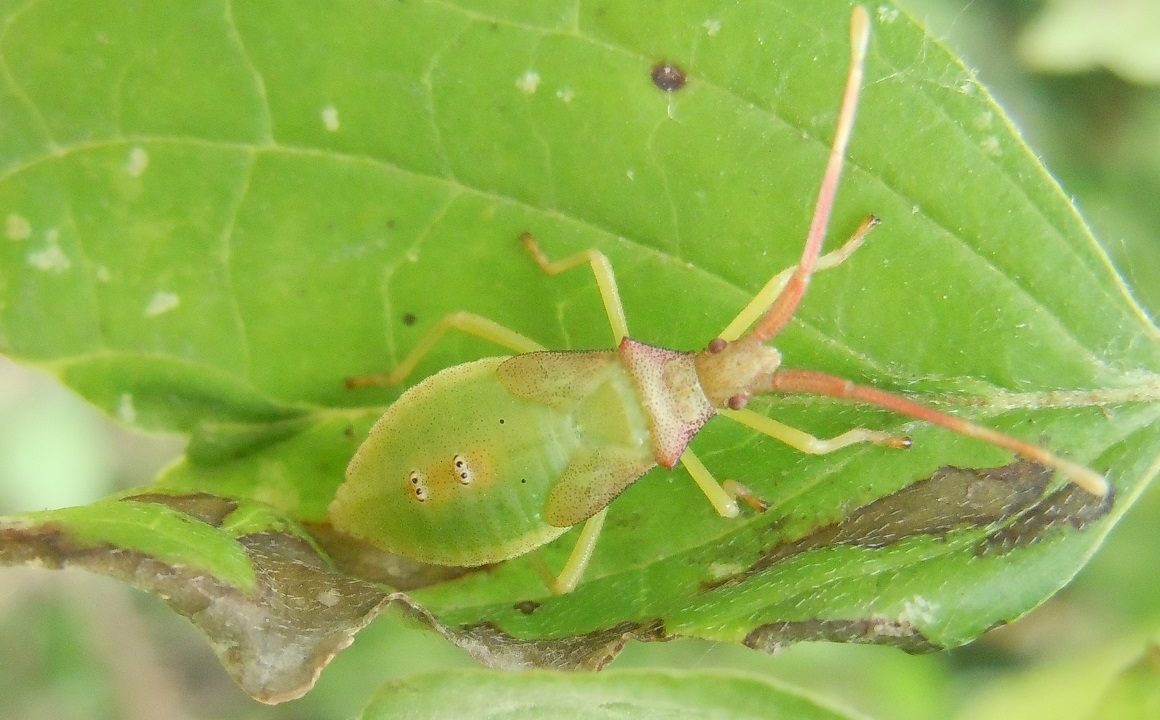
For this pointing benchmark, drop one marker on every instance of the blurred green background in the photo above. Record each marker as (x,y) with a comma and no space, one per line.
(1079,77)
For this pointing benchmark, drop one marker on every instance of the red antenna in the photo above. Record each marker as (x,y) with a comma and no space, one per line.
(782,308)
(787,301)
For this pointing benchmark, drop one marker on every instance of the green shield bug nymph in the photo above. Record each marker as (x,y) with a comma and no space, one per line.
(489,460)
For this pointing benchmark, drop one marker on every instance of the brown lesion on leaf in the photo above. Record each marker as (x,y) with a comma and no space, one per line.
(591,651)
(209,509)
(273,641)
(774,637)
(1010,498)
(1069,506)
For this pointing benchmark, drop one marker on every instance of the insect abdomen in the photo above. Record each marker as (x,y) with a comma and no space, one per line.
(459,469)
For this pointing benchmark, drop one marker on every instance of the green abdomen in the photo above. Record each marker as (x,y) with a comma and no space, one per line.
(456,472)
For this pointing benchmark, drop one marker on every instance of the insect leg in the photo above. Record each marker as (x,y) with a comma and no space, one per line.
(723,496)
(467,322)
(765,297)
(806,443)
(573,570)
(817,383)
(601,268)
(723,503)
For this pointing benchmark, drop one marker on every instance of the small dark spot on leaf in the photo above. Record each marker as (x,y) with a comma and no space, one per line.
(391,224)
(348,431)
(527,607)
(668,76)
(523,480)
(408,319)
(501,421)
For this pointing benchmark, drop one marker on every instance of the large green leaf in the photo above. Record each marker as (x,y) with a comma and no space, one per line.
(217,211)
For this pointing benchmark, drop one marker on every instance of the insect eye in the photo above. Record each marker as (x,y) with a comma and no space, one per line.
(462,470)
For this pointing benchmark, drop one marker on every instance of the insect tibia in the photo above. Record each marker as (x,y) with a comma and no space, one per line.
(731,372)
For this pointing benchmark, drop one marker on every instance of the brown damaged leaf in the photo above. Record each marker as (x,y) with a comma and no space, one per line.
(1011,504)
(773,637)
(276,638)
(1011,501)
(592,651)
(1009,498)
(273,640)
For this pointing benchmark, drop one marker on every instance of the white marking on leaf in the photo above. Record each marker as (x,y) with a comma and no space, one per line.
(161,303)
(329,598)
(137,163)
(722,570)
(330,118)
(17,227)
(51,259)
(712,26)
(565,94)
(528,82)
(887,14)
(918,611)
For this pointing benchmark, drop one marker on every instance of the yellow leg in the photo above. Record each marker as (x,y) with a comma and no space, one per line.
(577,563)
(605,280)
(765,297)
(467,322)
(722,496)
(804,442)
